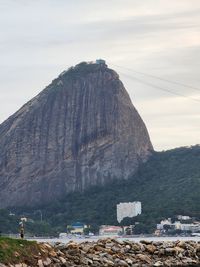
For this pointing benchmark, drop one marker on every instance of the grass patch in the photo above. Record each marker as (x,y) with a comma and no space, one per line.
(17,250)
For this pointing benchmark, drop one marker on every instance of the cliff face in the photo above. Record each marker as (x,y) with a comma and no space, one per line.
(80,131)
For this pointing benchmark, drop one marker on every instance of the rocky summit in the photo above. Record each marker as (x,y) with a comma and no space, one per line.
(81,130)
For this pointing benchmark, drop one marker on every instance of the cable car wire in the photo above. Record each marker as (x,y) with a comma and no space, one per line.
(159,87)
(158,78)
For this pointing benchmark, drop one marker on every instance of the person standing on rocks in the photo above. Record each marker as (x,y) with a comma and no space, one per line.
(21,230)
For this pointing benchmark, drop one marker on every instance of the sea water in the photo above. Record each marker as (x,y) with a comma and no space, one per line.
(134,239)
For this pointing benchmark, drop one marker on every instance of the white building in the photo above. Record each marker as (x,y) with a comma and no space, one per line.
(183,218)
(110,230)
(166,221)
(177,225)
(129,209)
(190,227)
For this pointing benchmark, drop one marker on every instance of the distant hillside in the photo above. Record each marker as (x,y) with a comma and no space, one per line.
(167,185)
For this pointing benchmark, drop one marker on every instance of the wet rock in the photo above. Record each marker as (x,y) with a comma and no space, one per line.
(135,247)
(56,260)
(108,262)
(40,263)
(158,263)
(47,262)
(182,244)
(146,242)
(52,253)
(129,261)
(144,258)
(170,251)
(121,263)
(151,248)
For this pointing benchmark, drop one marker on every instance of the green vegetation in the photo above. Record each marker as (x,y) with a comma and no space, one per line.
(167,185)
(83,68)
(15,250)
(9,224)
(80,69)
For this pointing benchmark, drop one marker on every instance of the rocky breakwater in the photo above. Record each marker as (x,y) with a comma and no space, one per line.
(111,252)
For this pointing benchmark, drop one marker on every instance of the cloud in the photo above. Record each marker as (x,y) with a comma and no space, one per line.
(40,38)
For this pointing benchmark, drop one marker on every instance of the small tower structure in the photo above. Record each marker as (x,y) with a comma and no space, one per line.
(100,61)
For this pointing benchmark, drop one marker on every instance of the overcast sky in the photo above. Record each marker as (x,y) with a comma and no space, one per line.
(41,38)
